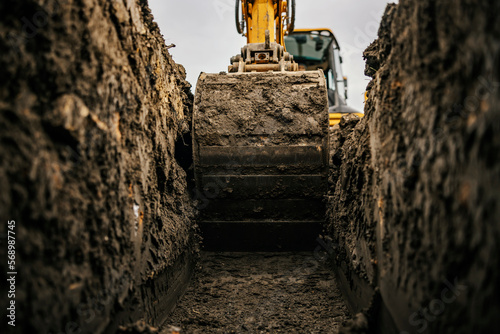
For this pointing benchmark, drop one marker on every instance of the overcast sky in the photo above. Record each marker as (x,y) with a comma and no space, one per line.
(205,35)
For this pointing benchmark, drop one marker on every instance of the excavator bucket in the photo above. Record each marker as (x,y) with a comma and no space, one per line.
(260,149)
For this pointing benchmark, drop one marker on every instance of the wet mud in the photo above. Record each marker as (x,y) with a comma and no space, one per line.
(253,109)
(415,194)
(261,293)
(91,107)
(93,111)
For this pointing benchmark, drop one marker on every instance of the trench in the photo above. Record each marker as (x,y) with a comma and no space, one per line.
(97,184)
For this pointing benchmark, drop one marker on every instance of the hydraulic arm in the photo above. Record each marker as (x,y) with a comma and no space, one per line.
(264,23)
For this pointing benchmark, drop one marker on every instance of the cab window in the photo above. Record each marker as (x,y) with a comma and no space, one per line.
(309,49)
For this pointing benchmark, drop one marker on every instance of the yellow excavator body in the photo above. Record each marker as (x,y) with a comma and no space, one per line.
(260,140)
(260,16)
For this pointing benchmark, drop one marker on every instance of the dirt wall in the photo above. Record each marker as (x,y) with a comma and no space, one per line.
(91,107)
(414,206)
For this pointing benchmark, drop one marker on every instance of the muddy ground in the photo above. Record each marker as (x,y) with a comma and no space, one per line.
(261,293)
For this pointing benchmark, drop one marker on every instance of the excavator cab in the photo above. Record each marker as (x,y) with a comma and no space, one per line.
(316,49)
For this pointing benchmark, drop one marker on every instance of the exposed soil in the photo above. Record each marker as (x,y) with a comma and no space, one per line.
(92,109)
(261,109)
(415,191)
(91,106)
(261,293)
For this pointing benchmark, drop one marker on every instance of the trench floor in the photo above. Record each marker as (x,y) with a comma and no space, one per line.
(261,293)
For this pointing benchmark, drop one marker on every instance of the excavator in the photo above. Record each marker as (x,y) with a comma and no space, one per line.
(318,48)
(260,134)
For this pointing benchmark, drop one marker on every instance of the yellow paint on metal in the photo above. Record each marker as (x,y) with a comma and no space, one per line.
(261,18)
(281,7)
(262,15)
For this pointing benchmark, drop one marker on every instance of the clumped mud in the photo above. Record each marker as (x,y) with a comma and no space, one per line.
(260,142)
(261,293)
(261,109)
(418,178)
(91,106)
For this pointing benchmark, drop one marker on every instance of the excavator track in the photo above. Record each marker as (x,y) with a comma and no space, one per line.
(260,143)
